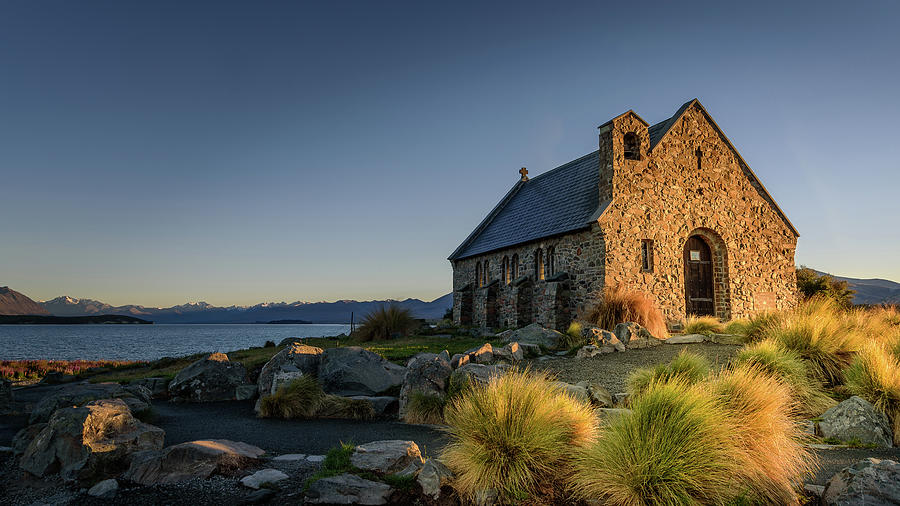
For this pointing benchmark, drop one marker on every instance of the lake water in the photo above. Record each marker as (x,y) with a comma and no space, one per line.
(143,342)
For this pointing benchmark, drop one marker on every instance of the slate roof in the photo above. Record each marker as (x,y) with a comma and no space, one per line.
(558,201)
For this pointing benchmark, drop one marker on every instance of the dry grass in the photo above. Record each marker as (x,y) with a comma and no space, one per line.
(788,367)
(425,408)
(516,435)
(874,375)
(303,398)
(705,325)
(767,442)
(686,367)
(386,322)
(618,305)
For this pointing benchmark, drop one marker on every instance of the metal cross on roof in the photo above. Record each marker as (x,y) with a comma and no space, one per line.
(524,173)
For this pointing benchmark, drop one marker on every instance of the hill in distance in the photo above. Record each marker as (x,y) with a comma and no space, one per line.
(871,291)
(14,303)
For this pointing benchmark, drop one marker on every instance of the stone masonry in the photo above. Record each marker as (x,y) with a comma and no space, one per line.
(691,183)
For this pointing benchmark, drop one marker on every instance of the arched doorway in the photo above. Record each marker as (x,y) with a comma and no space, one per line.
(699,291)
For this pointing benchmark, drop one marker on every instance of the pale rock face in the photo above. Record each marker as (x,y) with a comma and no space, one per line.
(348,489)
(433,476)
(536,334)
(634,336)
(686,339)
(870,481)
(262,476)
(386,457)
(856,419)
(213,378)
(77,394)
(577,392)
(426,373)
(194,459)
(355,371)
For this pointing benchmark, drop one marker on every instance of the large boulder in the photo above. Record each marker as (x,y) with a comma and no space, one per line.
(474,374)
(136,397)
(6,396)
(577,392)
(295,357)
(387,457)
(870,481)
(262,477)
(213,378)
(158,386)
(433,476)
(24,437)
(634,336)
(511,352)
(426,373)
(535,334)
(91,441)
(194,459)
(348,489)
(355,371)
(604,340)
(855,419)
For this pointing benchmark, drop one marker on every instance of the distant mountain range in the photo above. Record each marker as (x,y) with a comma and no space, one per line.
(201,312)
(872,291)
(14,303)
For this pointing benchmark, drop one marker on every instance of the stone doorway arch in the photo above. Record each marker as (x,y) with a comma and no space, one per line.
(706,285)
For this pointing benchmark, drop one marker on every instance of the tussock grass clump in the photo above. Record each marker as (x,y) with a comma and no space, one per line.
(818,332)
(304,398)
(618,305)
(516,435)
(298,399)
(788,367)
(705,325)
(755,329)
(425,408)
(675,447)
(768,443)
(574,337)
(686,367)
(387,322)
(737,327)
(874,375)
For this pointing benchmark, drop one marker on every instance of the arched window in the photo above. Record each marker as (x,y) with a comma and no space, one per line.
(487,273)
(632,146)
(504,269)
(478,279)
(539,265)
(551,261)
(515,266)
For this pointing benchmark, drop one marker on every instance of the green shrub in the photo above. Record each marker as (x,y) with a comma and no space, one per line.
(874,375)
(812,285)
(818,332)
(618,305)
(705,325)
(425,408)
(387,322)
(298,399)
(767,442)
(788,367)
(516,435)
(686,367)
(674,448)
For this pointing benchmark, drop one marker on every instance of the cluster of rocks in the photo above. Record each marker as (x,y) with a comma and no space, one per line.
(626,336)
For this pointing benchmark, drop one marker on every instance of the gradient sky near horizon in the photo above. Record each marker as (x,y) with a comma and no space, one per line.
(238,152)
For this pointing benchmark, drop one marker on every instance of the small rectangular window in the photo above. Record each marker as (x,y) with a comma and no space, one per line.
(647,255)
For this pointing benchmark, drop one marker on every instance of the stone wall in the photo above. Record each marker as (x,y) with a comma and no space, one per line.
(667,197)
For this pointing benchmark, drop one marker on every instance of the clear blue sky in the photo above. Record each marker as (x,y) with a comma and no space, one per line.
(160,152)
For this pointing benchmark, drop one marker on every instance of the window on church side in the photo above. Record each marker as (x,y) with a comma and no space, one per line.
(487,273)
(504,269)
(478,274)
(551,261)
(647,255)
(632,146)
(515,266)
(539,265)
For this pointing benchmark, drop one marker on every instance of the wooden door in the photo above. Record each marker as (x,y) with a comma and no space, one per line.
(698,277)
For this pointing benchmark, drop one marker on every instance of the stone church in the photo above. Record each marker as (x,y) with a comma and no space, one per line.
(671,210)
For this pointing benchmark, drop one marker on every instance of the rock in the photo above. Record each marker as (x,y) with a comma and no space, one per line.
(315,459)
(814,492)
(486,497)
(686,339)
(300,357)
(530,350)
(106,489)
(213,378)
(290,457)
(386,457)
(24,437)
(535,334)
(426,373)
(512,352)
(263,476)
(158,387)
(6,396)
(445,355)
(600,397)
(433,476)
(620,399)
(91,441)
(260,496)
(459,360)
(591,350)
(355,371)
(575,391)
(609,414)
(381,405)
(603,339)
(474,374)
(870,481)
(481,355)
(136,397)
(194,459)
(348,489)
(245,392)
(856,419)
(634,337)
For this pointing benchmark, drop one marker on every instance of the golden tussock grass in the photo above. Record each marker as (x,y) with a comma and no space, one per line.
(617,305)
